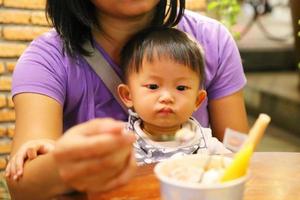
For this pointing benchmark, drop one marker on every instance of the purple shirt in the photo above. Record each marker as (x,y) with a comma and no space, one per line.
(45,69)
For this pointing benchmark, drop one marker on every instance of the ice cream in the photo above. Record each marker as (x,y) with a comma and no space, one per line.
(188,177)
(209,173)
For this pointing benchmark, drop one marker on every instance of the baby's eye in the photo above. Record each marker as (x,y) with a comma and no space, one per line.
(152,86)
(181,87)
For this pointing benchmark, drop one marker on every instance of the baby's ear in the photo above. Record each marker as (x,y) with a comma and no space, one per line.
(124,94)
(201,97)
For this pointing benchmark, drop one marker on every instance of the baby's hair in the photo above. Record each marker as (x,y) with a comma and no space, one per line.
(161,43)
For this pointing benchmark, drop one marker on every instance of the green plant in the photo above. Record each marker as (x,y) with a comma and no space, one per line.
(226,11)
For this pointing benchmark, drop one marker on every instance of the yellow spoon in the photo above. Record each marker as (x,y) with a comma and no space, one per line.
(239,165)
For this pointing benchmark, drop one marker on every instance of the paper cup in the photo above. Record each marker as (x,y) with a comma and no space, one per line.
(172,189)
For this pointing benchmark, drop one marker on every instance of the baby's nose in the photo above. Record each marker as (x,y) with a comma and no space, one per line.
(166,97)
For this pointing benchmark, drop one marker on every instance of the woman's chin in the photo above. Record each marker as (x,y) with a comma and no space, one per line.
(134,8)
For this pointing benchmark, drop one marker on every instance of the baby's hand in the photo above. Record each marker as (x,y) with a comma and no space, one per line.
(29,150)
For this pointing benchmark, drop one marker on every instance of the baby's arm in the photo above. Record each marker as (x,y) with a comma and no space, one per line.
(28,151)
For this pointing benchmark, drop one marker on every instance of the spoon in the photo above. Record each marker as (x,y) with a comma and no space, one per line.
(207,163)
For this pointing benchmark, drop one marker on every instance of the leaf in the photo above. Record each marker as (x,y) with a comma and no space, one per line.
(226,11)
(213,5)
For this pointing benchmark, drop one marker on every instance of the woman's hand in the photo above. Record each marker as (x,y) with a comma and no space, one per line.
(95,156)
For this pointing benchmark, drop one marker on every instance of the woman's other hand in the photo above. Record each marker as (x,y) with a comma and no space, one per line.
(95,156)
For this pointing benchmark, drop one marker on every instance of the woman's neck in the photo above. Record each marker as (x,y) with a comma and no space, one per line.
(115,32)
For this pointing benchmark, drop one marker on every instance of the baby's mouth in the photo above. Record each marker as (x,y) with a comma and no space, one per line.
(166,111)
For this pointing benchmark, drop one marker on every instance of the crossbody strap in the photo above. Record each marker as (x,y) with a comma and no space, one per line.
(104,71)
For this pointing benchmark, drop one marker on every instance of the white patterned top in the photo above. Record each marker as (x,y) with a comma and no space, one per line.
(148,151)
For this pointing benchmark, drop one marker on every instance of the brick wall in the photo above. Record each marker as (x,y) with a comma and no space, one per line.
(20,22)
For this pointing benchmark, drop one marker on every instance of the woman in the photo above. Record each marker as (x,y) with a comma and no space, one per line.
(55,89)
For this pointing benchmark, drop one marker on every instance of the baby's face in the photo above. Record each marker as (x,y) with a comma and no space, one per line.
(164,93)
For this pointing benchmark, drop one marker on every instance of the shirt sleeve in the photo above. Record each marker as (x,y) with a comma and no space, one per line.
(228,75)
(41,70)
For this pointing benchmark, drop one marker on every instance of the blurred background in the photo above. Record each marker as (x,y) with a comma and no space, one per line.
(267,35)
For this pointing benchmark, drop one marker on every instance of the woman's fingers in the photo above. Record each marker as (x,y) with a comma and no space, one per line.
(125,176)
(105,166)
(74,147)
(97,126)
(92,154)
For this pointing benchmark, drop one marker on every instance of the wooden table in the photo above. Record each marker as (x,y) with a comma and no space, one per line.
(274,176)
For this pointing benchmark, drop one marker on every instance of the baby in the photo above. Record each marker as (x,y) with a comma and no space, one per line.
(163,85)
